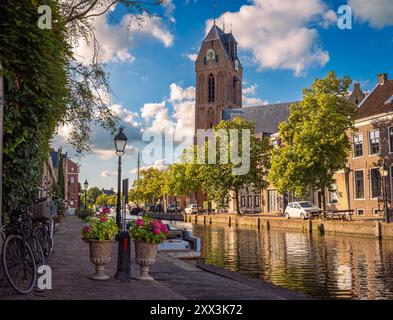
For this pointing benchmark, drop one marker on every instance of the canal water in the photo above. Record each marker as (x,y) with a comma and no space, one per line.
(328,266)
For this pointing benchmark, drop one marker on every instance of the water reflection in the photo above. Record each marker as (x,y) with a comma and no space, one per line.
(327,266)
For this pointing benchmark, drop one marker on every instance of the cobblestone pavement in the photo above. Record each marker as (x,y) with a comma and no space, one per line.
(174,279)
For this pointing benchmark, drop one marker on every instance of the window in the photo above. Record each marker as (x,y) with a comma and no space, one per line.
(243,201)
(358,145)
(273,201)
(391,139)
(374,141)
(249,201)
(333,195)
(72,179)
(360,212)
(375,179)
(359,184)
(256,201)
(211,88)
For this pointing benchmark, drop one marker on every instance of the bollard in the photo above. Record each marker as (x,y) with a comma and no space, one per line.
(210,220)
(378,230)
(229,221)
(259,223)
(204,220)
(267,224)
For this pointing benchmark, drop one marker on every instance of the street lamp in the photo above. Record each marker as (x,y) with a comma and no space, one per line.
(86,185)
(123,271)
(384,173)
(120,144)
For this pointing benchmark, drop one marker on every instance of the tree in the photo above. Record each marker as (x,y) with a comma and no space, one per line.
(60,176)
(92,194)
(227,174)
(46,86)
(315,144)
(149,187)
(102,200)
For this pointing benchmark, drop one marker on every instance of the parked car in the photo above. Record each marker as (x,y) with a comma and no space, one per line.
(135,211)
(302,210)
(192,208)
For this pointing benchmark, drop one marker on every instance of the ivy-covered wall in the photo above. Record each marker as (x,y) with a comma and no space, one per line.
(34,63)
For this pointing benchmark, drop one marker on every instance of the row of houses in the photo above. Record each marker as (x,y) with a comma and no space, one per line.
(71,178)
(360,186)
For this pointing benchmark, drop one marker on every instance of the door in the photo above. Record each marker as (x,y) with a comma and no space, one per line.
(319,199)
(273,203)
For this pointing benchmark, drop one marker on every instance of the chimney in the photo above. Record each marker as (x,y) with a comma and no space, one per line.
(382,78)
(356,86)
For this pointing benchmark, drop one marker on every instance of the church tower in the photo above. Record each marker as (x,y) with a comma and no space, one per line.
(218,78)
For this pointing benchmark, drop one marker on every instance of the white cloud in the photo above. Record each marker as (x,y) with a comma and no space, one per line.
(192,56)
(183,101)
(249,99)
(279,33)
(158,164)
(107,173)
(378,13)
(156,116)
(115,41)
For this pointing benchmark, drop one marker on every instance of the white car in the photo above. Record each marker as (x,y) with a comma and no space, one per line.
(302,210)
(192,208)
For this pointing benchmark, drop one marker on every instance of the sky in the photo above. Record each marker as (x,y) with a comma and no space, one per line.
(283,47)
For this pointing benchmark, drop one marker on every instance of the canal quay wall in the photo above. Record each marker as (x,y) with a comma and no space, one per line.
(376,229)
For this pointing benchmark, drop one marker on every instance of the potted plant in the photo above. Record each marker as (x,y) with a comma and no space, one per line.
(147,235)
(100,234)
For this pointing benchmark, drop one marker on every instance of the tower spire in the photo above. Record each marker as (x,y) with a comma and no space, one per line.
(214,13)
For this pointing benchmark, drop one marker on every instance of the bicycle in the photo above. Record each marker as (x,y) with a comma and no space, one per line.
(18,259)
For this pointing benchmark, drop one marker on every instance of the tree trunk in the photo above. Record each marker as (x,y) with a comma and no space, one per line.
(324,199)
(196,200)
(237,202)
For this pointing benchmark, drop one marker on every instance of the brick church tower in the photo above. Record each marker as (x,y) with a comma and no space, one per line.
(218,78)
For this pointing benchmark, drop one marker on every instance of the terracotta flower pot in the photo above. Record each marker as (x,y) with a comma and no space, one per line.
(100,256)
(145,256)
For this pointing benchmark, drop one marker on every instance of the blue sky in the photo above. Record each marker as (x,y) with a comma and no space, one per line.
(284,46)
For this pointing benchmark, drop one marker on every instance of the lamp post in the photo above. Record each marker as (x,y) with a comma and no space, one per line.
(123,271)
(120,144)
(86,185)
(384,173)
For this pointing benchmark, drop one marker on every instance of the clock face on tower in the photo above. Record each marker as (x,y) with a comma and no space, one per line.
(237,65)
(210,54)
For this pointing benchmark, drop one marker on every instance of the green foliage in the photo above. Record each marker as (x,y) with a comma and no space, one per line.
(218,179)
(315,141)
(35,91)
(148,230)
(93,194)
(60,177)
(102,200)
(149,188)
(100,228)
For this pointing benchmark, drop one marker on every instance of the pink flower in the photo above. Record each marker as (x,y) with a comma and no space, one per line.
(87,229)
(104,219)
(157,231)
(139,222)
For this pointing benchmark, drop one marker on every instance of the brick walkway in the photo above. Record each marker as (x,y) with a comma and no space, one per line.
(175,280)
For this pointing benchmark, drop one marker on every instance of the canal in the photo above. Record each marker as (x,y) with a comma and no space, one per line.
(328,266)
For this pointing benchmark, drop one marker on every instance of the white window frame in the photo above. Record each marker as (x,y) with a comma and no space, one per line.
(370,182)
(354,185)
(353,146)
(369,143)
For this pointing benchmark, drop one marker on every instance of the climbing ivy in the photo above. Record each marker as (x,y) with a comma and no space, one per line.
(35,74)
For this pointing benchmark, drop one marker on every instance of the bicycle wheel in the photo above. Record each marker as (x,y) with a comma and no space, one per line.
(19,264)
(44,238)
(38,252)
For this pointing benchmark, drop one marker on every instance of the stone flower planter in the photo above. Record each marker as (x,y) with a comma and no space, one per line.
(100,256)
(145,256)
